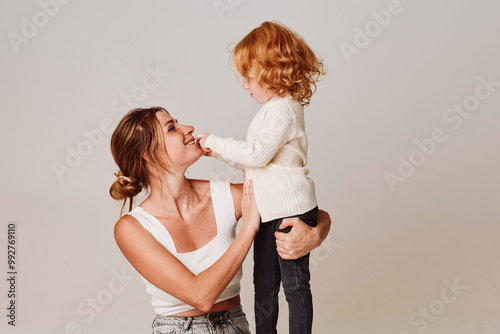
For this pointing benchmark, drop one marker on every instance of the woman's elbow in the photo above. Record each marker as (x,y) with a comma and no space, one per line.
(326,216)
(326,222)
(205,308)
(204,301)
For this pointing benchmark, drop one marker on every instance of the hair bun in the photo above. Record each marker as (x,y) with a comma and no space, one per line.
(124,180)
(124,187)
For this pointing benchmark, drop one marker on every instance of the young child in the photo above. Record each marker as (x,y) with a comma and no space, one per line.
(280,71)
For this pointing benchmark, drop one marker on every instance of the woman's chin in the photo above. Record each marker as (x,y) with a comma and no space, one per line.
(197,155)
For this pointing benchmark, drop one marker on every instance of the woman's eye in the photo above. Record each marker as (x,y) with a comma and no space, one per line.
(171,129)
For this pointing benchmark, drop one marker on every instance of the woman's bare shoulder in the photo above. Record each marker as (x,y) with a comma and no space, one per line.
(126,223)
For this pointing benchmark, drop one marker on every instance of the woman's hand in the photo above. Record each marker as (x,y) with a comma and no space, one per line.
(302,238)
(250,212)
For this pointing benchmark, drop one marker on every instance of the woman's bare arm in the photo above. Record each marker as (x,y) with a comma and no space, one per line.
(166,272)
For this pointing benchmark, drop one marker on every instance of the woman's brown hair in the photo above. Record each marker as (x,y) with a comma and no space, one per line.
(137,140)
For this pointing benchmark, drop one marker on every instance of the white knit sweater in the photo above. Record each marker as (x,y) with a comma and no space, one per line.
(274,156)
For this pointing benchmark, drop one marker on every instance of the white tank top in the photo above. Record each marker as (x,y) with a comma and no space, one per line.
(200,259)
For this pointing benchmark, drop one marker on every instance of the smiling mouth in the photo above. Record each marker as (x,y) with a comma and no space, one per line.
(192,142)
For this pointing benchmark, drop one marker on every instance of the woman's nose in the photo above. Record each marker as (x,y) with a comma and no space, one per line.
(188,129)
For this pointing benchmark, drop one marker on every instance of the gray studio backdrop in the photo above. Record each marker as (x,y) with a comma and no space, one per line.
(403,146)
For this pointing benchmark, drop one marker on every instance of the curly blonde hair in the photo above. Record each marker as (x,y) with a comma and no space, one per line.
(280,60)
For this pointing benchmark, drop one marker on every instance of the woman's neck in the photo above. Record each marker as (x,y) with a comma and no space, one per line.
(173,195)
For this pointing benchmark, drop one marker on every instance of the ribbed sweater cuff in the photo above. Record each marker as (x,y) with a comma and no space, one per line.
(214,143)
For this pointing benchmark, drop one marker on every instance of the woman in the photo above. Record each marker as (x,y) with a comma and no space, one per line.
(181,239)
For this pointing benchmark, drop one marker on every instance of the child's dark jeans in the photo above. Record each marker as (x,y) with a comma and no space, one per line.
(270,269)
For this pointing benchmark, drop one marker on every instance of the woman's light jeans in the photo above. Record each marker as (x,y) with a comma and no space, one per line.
(232,321)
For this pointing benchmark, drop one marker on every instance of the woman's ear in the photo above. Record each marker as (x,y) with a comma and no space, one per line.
(145,156)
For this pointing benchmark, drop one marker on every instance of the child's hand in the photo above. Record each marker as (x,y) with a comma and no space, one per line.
(201,140)
(207,152)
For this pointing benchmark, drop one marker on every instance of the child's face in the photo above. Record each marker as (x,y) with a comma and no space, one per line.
(257,92)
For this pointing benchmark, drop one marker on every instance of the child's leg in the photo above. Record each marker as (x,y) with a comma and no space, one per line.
(266,278)
(295,277)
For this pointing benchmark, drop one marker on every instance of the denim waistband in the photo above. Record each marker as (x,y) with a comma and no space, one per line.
(212,317)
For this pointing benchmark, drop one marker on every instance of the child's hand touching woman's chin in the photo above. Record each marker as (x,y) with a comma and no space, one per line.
(201,140)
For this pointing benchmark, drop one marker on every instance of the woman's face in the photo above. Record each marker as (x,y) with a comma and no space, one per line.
(179,141)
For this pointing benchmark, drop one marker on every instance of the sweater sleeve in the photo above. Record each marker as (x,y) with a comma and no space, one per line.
(276,130)
(229,162)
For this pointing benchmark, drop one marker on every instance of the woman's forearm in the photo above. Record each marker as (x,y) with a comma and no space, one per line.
(165,271)
(211,282)
(162,269)
(323,226)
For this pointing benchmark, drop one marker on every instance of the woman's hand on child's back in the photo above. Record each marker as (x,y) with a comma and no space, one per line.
(298,242)
(250,213)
